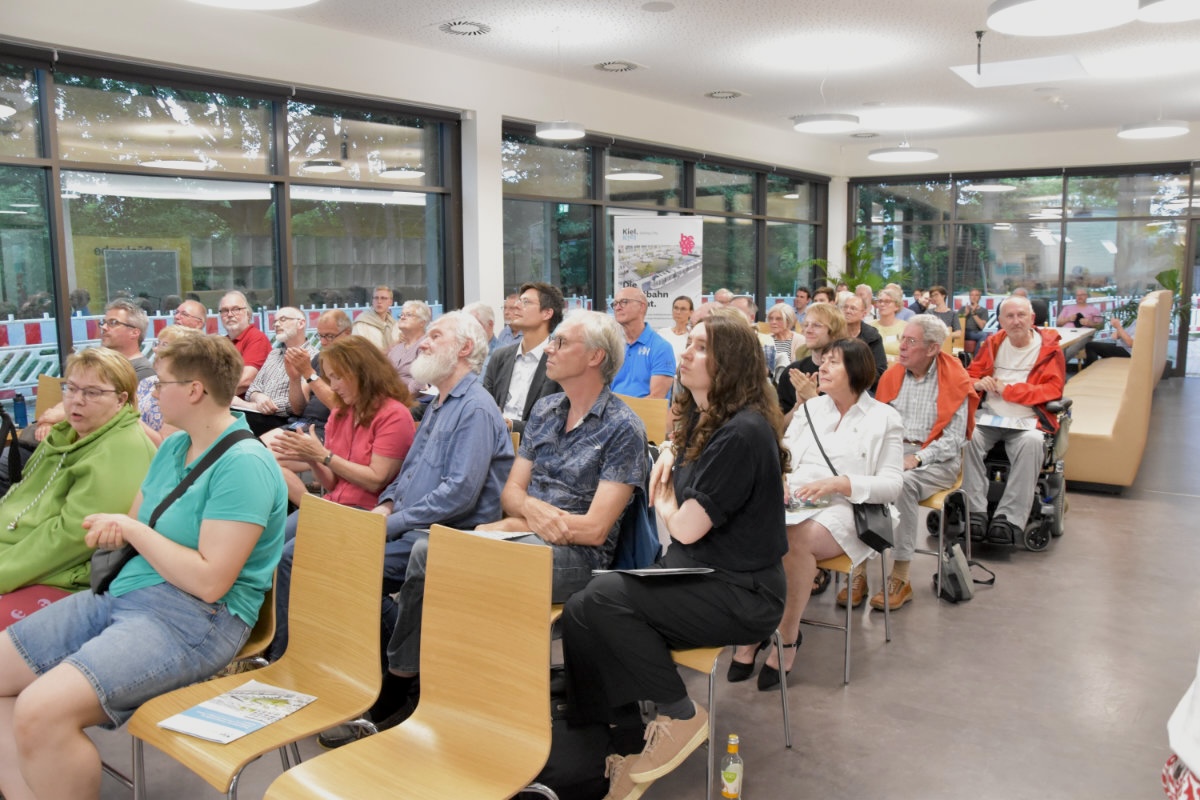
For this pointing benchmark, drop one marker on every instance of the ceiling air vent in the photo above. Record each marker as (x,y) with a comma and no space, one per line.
(617,66)
(462,27)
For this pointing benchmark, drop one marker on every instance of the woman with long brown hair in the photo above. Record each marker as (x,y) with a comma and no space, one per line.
(723,508)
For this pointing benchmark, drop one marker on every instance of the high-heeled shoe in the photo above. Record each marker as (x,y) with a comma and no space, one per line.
(768,676)
(738,671)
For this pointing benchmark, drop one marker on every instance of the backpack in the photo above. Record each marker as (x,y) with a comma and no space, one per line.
(959,582)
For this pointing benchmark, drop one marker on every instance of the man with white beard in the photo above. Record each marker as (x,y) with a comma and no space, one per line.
(454,471)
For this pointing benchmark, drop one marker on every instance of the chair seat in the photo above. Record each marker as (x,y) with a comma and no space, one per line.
(841,564)
(698,658)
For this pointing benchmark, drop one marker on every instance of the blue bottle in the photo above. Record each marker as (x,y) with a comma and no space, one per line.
(20,413)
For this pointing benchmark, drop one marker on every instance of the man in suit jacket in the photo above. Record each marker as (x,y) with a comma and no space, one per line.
(516,373)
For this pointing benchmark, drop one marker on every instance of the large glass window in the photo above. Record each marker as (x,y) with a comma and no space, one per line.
(549,242)
(128,122)
(373,146)
(348,241)
(531,167)
(724,189)
(159,240)
(791,198)
(631,178)
(730,254)
(19,129)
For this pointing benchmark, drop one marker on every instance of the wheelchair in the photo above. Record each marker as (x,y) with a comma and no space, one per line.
(1049,498)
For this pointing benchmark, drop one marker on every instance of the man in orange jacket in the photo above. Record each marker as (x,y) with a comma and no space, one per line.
(933,394)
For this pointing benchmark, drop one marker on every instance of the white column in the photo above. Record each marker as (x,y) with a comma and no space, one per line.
(483,208)
(839,197)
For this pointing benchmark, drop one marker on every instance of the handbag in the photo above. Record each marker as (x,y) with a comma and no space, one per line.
(873,521)
(959,583)
(107,564)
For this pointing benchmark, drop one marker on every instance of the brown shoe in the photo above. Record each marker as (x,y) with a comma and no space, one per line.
(858,586)
(668,742)
(620,785)
(899,593)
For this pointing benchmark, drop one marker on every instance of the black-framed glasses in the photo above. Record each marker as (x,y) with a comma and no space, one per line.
(179,312)
(289,319)
(231,311)
(558,342)
(329,337)
(160,383)
(626,301)
(89,393)
(108,323)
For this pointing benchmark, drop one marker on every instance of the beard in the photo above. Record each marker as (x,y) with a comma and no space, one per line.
(433,367)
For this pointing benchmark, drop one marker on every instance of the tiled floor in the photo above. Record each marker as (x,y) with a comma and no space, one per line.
(1056,683)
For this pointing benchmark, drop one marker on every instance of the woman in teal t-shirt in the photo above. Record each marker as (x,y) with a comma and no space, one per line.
(175,614)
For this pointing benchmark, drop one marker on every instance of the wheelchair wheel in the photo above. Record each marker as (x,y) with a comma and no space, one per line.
(1037,536)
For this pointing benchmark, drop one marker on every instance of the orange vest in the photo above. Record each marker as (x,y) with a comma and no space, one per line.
(954,385)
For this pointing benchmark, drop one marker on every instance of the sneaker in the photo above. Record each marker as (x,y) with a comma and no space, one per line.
(1001,531)
(668,742)
(979,526)
(898,593)
(620,785)
(857,587)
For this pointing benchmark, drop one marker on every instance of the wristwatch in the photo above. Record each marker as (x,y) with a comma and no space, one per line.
(312,378)
(918,458)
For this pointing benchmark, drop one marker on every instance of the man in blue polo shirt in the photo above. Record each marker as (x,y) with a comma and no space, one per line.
(649,364)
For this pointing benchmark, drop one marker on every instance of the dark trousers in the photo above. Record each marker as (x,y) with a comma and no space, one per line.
(618,633)
(1097,350)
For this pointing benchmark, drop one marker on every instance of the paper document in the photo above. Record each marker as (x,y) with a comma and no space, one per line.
(1015,423)
(239,711)
(656,573)
(501,535)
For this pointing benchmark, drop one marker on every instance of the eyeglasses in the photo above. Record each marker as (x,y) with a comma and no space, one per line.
(290,319)
(815,326)
(159,384)
(89,393)
(329,337)
(624,302)
(409,315)
(108,323)
(909,341)
(231,311)
(526,302)
(179,312)
(883,301)
(558,342)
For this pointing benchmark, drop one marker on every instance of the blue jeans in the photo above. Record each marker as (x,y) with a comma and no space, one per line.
(572,570)
(133,647)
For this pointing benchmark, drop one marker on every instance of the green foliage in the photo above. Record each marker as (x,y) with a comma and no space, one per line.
(1171,280)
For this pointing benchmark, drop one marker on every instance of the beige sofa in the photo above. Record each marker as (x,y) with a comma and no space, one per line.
(1112,399)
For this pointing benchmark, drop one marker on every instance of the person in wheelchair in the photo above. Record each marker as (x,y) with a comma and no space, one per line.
(1017,371)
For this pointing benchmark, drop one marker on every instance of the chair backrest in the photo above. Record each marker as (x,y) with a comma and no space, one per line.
(337,572)
(485,646)
(653,413)
(516,440)
(264,628)
(49,394)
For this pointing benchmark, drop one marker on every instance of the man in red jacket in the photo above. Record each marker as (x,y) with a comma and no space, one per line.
(933,394)
(1017,370)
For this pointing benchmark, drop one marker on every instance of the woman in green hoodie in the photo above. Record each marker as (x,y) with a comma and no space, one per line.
(93,461)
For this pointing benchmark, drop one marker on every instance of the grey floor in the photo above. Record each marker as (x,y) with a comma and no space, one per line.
(1056,683)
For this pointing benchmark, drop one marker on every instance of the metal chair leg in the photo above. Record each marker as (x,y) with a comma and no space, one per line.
(849,624)
(139,770)
(712,730)
(887,610)
(783,698)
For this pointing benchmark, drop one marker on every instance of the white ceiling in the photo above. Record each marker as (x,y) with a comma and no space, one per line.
(887,61)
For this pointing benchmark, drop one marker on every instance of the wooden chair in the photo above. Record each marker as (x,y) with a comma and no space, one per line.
(49,394)
(333,651)
(842,565)
(653,413)
(482,726)
(937,502)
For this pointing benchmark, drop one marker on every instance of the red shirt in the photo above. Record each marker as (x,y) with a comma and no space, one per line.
(254,346)
(390,434)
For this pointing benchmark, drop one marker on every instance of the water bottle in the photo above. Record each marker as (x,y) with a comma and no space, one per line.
(20,413)
(731,770)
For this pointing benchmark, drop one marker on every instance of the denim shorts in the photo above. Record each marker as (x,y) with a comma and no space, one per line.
(133,647)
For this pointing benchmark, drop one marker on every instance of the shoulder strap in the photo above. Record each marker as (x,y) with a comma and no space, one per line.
(817,439)
(990,581)
(209,459)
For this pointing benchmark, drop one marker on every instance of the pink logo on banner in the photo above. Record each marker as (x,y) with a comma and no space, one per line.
(686,244)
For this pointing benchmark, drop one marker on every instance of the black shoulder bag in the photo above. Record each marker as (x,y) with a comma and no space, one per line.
(873,521)
(107,564)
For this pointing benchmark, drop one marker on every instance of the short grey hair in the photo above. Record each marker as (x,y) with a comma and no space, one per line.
(338,317)
(789,313)
(893,294)
(420,308)
(482,312)
(135,315)
(600,332)
(933,330)
(467,329)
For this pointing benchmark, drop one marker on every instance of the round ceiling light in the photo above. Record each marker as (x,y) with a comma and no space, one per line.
(825,123)
(256,5)
(1158,129)
(1057,17)
(637,174)
(322,166)
(6,111)
(903,154)
(187,164)
(400,173)
(559,131)
(993,188)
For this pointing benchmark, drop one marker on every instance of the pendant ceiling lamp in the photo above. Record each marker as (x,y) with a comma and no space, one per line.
(560,130)
(903,153)
(1158,129)
(825,123)
(1058,17)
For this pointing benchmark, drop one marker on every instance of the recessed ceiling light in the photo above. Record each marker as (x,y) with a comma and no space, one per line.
(723,94)
(1158,129)
(639,174)
(322,166)
(188,164)
(1168,10)
(560,130)
(903,154)
(825,123)
(1057,17)
(256,5)
(617,66)
(462,27)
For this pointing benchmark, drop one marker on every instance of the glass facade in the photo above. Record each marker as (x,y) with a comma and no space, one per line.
(20,127)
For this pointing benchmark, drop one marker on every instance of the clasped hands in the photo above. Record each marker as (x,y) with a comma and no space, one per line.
(292,445)
(106,531)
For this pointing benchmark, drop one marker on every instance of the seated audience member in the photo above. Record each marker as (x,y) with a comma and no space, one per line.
(867,295)
(800,305)
(253,344)
(974,320)
(1017,371)
(511,308)
(722,297)
(852,310)
(1081,313)
(676,333)
(933,394)
(377,325)
(723,506)
(649,365)
(43,555)
(781,322)
(147,399)
(308,388)
(937,308)
(823,326)
(484,315)
(516,373)
(1121,345)
(749,309)
(581,456)
(368,434)
(415,316)
(191,314)
(268,404)
(175,613)
(864,440)
(889,325)
(1041,309)
(825,294)
(919,304)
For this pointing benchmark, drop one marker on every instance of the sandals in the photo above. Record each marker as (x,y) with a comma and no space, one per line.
(821,582)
